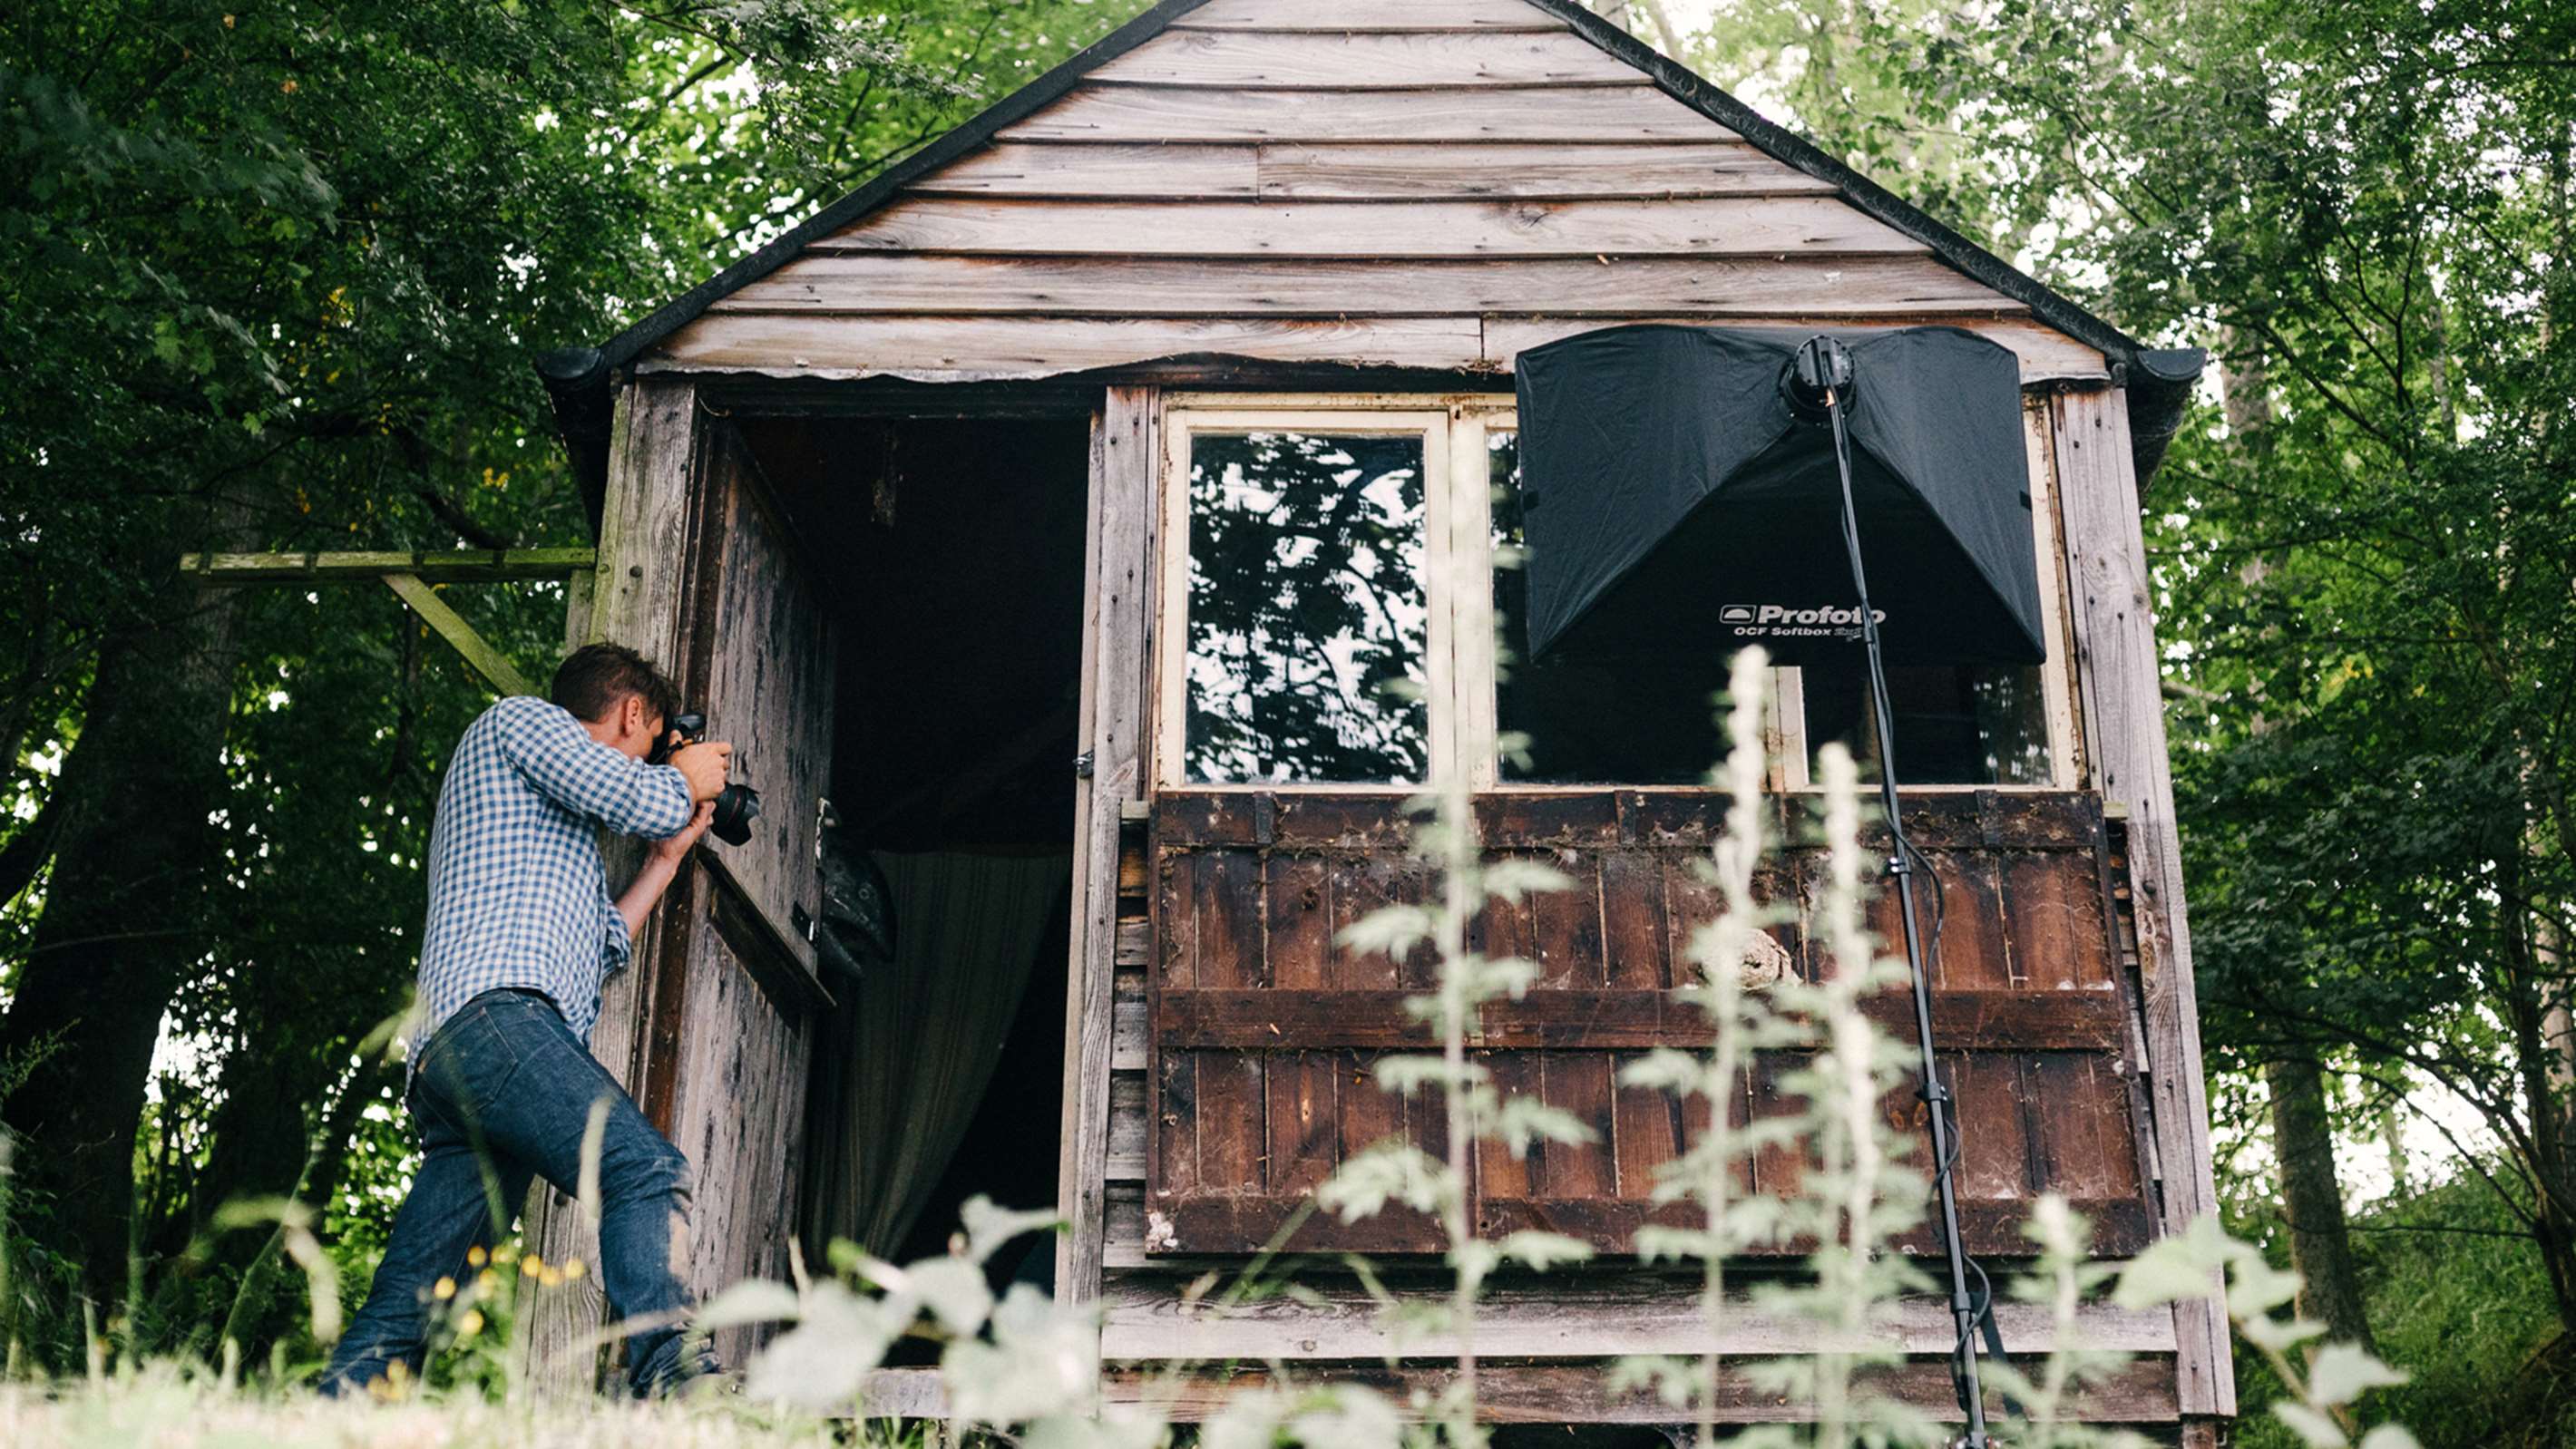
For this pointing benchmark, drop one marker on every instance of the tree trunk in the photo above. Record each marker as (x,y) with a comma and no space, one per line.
(123,919)
(2320,1244)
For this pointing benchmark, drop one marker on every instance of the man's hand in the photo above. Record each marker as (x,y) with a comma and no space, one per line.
(675,848)
(705,766)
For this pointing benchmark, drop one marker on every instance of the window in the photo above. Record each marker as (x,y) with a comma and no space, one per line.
(1324,553)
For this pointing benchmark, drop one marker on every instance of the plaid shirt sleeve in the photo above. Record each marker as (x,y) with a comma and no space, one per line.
(560,760)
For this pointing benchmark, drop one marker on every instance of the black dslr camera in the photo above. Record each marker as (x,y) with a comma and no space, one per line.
(737,807)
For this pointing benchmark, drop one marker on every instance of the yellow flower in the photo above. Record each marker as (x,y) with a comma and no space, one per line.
(475,1257)
(573,1269)
(471,1324)
(446,1289)
(487,1283)
(552,1277)
(531,1265)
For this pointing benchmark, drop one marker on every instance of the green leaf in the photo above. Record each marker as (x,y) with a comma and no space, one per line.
(2317,1430)
(753,1300)
(2344,1372)
(1542,1251)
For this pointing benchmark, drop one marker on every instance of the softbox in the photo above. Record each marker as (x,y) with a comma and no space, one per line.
(1674,497)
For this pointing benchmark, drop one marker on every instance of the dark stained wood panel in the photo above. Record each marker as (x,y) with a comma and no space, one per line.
(1569,114)
(1722,226)
(1254,996)
(1348,59)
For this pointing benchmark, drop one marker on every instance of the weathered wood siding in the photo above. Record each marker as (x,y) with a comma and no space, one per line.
(1433,186)
(1264,1030)
(709,1027)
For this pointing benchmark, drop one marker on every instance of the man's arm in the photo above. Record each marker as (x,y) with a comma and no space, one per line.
(661,865)
(553,752)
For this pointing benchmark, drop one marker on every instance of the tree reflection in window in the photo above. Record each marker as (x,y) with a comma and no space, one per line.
(1306,604)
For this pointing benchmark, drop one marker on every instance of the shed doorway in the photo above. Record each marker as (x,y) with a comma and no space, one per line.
(953,551)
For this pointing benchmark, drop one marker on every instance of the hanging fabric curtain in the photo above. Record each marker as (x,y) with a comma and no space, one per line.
(907,1055)
(1674,497)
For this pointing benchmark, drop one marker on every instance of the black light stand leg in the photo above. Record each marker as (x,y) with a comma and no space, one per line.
(1965,1309)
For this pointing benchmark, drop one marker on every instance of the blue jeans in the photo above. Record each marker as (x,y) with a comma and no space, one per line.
(502,1093)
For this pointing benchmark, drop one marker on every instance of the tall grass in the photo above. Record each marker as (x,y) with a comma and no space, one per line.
(1027,1369)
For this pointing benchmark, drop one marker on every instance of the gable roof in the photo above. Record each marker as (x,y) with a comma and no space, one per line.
(2159,381)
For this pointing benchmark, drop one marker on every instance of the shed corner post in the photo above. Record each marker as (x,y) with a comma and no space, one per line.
(1116,710)
(2123,710)
(632,597)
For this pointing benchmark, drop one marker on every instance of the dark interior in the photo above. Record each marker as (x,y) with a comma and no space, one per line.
(954,552)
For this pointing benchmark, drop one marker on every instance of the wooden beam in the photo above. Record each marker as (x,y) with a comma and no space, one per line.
(482,565)
(1569,1019)
(1598,1312)
(1118,623)
(2123,706)
(487,661)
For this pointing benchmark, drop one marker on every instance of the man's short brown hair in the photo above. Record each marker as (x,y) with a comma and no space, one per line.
(596,679)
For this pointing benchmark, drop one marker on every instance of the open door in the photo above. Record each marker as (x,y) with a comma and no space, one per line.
(735,993)
(711,1026)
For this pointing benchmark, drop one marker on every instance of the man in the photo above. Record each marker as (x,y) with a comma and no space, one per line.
(521,933)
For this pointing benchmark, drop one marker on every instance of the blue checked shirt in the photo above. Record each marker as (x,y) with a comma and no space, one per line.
(517,894)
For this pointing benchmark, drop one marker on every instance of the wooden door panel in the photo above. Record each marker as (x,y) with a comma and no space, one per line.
(1264,1026)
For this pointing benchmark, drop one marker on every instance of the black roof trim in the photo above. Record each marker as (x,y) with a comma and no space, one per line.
(2160,381)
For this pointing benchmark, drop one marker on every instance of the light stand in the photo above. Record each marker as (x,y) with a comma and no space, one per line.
(1820,376)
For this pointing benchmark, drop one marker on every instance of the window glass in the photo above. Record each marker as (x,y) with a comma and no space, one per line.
(1639,722)
(1307,618)
(1955,725)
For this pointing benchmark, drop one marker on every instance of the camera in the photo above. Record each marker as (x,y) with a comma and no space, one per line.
(737,807)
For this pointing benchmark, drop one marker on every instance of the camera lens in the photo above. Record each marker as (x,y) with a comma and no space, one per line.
(736,808)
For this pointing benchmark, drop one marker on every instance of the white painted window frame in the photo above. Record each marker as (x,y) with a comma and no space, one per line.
(1459,655)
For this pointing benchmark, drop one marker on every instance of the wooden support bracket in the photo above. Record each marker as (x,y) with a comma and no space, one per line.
(410,576)
(487,661)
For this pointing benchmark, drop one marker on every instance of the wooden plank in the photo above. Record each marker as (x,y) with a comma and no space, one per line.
(978,349)
(1574,1019)
(2054,922)
(635,600)
(1345,60)
(1596,1312)
(1581,1085)
(766,685)
(738,1112)
(1363,171)
(2140,1395)
(1657,822)
(2122,687)
(1114,169)
(1577,113)
(968,349)
(491,663)
(1347,15)
(1292,171)
(1990,1228)
(448,566)
(1130,1124)
(1117,629)
(2046,354)
(1706,226)
(945,284)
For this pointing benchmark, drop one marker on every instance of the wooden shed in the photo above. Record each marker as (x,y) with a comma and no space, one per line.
(991,504)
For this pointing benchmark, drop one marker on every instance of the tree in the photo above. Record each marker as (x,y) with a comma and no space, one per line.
(272,277)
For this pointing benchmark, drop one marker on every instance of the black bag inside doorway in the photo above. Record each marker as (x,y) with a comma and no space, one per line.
(1674,497)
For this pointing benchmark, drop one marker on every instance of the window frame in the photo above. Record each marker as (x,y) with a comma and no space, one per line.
(1459,663)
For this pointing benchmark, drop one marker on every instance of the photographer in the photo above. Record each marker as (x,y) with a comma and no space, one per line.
(521,933)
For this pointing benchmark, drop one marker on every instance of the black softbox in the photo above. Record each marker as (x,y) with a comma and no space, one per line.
(1674,498)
